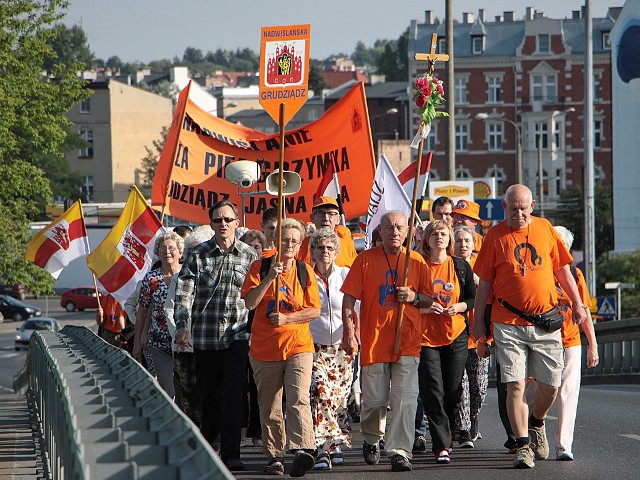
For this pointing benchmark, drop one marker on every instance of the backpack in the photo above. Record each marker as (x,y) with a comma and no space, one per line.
(462,267)
(265,265)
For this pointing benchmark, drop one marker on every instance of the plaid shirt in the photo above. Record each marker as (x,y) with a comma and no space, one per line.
(208,302)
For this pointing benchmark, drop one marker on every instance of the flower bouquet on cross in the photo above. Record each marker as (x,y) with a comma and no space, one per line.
(428,94)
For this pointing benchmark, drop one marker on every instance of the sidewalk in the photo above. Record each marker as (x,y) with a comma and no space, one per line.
(19,459)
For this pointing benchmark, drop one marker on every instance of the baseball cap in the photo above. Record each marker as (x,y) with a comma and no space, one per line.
(468,208)
(326,200)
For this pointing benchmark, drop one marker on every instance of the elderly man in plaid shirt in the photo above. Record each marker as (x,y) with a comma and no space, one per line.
(211,316)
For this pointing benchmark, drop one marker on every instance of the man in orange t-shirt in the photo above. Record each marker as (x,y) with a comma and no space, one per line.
(326,214)
(517,264)
(388,378)
(112,318)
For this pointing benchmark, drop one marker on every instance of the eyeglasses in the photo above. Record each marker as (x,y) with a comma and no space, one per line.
(326,213)
(220,219)
(290,241)
(328,248)
(167,249)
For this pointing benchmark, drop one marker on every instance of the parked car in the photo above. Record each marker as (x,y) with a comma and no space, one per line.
(79,298)
(17,291)
(26,330)
(16,310)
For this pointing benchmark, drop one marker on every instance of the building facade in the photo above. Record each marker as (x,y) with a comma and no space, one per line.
(521,79)
(118,121)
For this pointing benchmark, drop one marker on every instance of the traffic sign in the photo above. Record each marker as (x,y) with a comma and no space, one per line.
(607,306)
(490,208)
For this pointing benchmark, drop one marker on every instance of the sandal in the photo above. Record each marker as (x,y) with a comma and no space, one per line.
(323,462)
(274,467)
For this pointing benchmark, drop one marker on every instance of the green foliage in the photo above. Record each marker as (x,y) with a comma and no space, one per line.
(150,160)
(621,268)
(393,62)
(317,82)
(70,47)
(33,125)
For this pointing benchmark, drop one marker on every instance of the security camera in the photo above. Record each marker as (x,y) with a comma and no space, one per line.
(243,173)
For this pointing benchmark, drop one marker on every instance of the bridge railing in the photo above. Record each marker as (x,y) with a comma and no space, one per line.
(103,416)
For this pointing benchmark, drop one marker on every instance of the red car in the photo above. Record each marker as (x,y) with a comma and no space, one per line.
(80,298)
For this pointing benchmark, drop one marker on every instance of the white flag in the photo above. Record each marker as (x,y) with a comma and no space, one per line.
(387,194)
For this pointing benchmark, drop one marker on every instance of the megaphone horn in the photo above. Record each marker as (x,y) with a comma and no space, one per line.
(291,182)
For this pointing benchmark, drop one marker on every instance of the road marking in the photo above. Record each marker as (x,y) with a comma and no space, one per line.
(631,436)
(550,417)
(9,355)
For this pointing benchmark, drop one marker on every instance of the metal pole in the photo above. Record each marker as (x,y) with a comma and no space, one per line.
(540,177)
(451,124)
(619,312)
(589,167)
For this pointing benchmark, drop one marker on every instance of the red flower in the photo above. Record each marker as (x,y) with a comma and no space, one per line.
(422,82)
(421,101)
(440,89)
(426,91)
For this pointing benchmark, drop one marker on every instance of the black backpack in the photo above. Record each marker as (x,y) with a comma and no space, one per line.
(265,265)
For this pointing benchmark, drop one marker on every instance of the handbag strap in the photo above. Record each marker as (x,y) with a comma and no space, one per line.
(513,309)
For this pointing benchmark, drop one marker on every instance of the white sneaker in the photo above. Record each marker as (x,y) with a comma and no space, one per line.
(564,455)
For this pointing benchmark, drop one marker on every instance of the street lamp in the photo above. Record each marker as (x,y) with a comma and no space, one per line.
(619,286)
(485,116)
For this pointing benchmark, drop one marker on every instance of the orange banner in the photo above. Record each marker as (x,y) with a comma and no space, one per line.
(205,145)
(284,69)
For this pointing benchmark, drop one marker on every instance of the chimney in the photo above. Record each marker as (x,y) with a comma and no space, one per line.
(428,17)
(528,14)
(498,18)
(508,16)
(538,15)
(481,14)
(575,14)
(467,17)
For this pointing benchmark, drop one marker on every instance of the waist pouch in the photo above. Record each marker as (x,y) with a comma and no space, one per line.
(549,321)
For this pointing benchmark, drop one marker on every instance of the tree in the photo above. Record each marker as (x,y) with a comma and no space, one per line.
(150,160)
(317,82)
(32,124)
(393,62)
(192,55)
(621,268)
(114,62)
(70,46)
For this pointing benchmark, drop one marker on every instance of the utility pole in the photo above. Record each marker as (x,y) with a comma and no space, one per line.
(450,148)
(589,168)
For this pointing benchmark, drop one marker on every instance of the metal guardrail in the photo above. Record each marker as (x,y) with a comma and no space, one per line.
(103,416)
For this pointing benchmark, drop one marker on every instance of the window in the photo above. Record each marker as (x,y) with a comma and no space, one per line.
(460,90)
(559,181)
(87,150)
(431,139)
(599,173)
(498,173)
(442,45)
(597,78)
(85,106)
(544,87)
(434,175)
(463,173)
(477,45)
(597,134)
(495,89)
(557,137)
(87,188)
(462,137)
(496,136)
(606,44)
(312,115)
(541,135)
(544,43)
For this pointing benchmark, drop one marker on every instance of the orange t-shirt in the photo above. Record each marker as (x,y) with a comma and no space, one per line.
(504,251)
(444,288)
(112,311)
(571,331)
(275,343)
(477,241)
(371,281)
(347,248)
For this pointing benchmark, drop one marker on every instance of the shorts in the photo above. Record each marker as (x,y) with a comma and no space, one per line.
(529,351)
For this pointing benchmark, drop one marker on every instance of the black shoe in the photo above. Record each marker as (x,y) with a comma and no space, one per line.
(302,462)
(464,440)
(371,453)
(234,464)
(419,445)
(400,464)
(511,445)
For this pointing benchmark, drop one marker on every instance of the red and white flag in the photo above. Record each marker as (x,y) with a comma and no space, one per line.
(387,194)
(329,183)
(126,254)
(59,243)
(408,175)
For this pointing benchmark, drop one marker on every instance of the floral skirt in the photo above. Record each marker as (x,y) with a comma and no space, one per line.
(331,379)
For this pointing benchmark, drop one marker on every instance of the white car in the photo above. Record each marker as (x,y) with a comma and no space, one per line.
(28,327)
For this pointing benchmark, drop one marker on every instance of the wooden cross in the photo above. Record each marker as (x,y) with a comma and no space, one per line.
(432,57)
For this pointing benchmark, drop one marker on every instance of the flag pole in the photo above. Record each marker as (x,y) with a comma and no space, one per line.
(280,207)
(339,196)
(407,250)
(95,280)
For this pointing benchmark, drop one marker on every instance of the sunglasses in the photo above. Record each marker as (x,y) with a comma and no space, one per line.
(220,219)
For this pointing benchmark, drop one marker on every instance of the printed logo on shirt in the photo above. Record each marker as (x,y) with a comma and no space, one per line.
(387,292)
(442,292)
(285,305)
(529,261)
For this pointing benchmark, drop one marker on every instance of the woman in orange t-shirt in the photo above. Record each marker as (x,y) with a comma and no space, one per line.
(476,374)
(281,352)
(445,337)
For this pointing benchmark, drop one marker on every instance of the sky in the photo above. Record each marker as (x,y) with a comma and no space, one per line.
(146,30)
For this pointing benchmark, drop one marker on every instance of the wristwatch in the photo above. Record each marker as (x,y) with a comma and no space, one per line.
(580,305)
(416,300)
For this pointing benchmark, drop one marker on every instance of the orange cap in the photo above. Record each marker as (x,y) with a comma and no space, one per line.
(318,202)
(468,208)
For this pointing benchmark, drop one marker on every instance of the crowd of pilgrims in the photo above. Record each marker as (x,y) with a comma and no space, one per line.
(294,379)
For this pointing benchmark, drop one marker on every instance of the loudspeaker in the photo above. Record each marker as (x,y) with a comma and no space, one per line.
(291,183)
(243,173)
